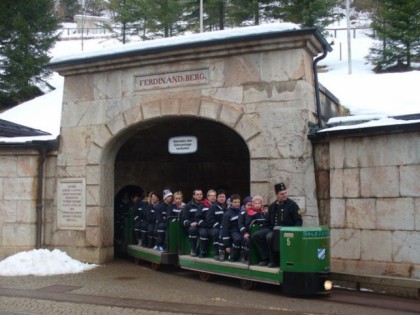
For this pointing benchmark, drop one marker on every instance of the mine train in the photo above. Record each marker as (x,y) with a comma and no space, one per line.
(304,256)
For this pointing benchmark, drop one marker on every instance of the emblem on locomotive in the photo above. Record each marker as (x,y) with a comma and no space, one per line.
(321,253)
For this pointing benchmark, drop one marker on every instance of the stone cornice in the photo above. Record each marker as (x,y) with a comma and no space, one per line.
(308,39)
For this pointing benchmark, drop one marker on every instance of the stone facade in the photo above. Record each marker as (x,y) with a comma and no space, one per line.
(373,205)
(261,88)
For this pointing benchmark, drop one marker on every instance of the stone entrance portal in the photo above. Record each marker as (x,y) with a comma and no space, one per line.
(247,97)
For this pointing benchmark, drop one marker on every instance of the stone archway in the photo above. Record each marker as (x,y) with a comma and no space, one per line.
(123,128)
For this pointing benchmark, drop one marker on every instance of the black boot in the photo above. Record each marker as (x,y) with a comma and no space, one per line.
(203,248)
(244,256)
(193,243)
(234,254)
(216,252)
(138,238)
(151,241)
(221,255)
(144,239)
(273,261)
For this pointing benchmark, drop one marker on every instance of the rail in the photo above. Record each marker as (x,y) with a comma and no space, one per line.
(399,282)
(100,30)
(87,31)
(353,29)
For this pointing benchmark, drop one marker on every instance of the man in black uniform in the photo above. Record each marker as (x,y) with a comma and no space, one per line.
(189,220)
(161,215)
(282,212)
(214,221)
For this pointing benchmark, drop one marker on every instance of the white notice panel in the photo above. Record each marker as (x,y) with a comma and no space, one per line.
(182,145)
(71,212)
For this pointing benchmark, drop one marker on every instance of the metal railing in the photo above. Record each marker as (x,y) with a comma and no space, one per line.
(86,30)
(353,29)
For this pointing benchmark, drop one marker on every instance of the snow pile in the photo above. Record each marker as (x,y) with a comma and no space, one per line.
(41,262)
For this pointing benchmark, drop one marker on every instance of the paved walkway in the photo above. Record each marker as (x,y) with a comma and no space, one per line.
(122,287)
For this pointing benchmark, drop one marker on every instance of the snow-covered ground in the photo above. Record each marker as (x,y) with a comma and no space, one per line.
(363,91)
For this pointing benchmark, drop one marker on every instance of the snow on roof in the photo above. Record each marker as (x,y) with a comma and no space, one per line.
(181,40)
(347,120)
(42,113)
(367,123)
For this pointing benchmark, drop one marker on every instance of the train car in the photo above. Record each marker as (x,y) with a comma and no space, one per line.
(168,257)
(304,256)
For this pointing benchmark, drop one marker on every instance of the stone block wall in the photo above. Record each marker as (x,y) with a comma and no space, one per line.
(18,198)
(375,204)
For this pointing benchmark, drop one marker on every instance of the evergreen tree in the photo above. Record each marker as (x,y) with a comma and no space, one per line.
(396,25)
(27,32)
(246,12)
(214,14)
(68,9)
(215,18)
(307,13)
(129,18)
(160,18)
(94,7)
(191,16)
(165,18)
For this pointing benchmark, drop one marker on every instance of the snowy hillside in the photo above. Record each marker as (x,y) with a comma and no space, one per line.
(362,92)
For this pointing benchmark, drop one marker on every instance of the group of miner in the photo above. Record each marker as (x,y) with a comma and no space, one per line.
(217,221)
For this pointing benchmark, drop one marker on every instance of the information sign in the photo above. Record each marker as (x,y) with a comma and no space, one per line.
(182,145)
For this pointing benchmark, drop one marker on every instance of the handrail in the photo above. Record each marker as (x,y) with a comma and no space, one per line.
(354,29)
(85,30)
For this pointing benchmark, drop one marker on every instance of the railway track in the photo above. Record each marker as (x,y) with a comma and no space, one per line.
(375,301)
(344,299)
(124,288)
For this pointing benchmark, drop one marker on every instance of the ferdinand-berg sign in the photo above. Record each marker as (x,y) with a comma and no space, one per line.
(167,80)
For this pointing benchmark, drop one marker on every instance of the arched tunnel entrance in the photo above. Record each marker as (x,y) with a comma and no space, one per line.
(221,161)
